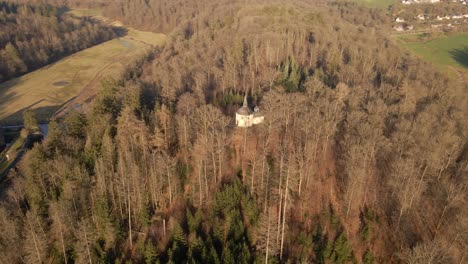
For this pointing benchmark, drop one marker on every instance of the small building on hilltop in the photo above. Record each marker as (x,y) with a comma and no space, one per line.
(245,117)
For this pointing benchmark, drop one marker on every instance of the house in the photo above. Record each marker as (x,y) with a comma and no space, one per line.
(457,17)
(246,118)
(439,18)
(421,17)
(398,28)
(409,2)
(399,20)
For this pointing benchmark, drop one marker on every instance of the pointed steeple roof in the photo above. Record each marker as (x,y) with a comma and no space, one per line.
(244,110)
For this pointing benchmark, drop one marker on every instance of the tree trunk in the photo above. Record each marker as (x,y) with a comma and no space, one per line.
(130,221)
(268,239)
(200,183)
(399,218)
(185,135)
(252,179)
(442,216)
(418,188)
(350,201)
(168,169)
(213,160)
(87,248)
(206,180)
(278,227)
(220,162)
(34,240)
(285,205)
(61,238)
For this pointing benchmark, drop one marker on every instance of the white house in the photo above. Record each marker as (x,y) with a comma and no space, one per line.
(399,20)
(246,118)
(409,2)
(398,28)
(421,17)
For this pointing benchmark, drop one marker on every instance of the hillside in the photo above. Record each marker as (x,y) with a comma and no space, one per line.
(75,79)
(361,157)
(36,35)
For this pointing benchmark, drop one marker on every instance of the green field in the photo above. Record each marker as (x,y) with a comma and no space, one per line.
(376,3)
(448,53)
(46,90)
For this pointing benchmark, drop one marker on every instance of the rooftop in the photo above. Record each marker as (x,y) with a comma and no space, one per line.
(244,110)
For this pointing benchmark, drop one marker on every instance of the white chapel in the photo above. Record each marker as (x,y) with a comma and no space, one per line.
(246,117)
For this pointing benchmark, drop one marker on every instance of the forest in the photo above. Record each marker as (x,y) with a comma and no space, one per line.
(33,36)
(362,157)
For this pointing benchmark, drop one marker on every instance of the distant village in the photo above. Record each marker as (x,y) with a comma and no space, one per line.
(409,2)
(436,21)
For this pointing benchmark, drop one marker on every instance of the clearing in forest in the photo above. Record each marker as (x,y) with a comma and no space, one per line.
(447,52)
(48,89)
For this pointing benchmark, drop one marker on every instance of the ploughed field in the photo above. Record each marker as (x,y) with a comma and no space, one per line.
(60,84)
(447,52)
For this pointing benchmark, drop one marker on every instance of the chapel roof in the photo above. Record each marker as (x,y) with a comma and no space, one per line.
(244,110)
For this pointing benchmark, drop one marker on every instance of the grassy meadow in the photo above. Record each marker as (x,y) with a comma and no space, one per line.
(47,89)
(377,3)
(447,52)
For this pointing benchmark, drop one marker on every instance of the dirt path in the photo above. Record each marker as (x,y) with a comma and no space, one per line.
(84,95)
(89,91)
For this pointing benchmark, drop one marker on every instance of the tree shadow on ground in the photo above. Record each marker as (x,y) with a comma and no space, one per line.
(461,56)
(43,115)
(120,31)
